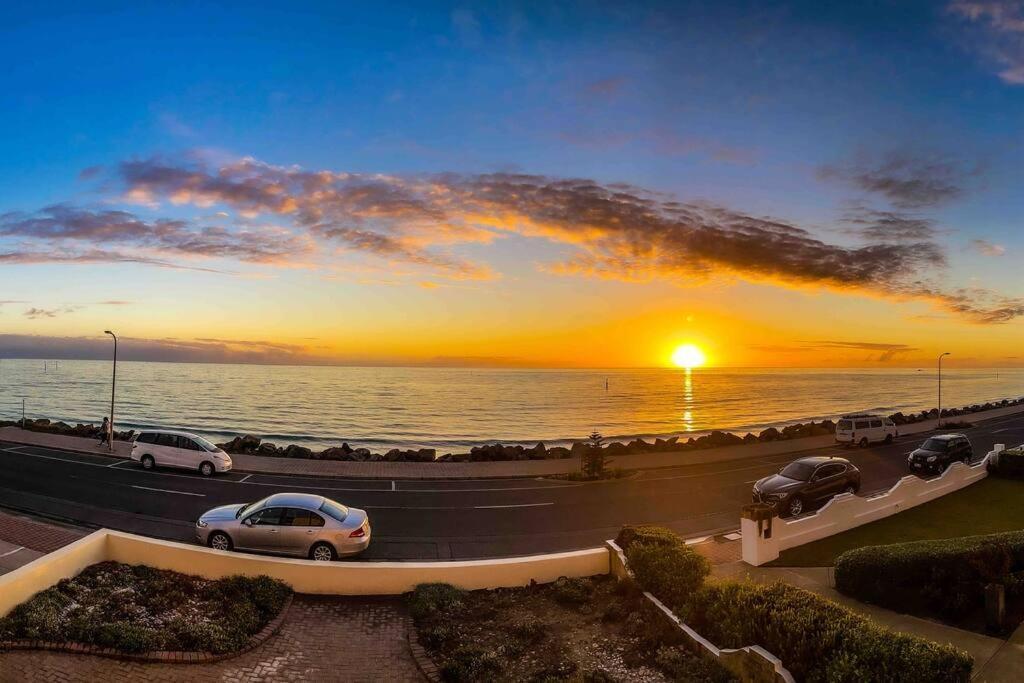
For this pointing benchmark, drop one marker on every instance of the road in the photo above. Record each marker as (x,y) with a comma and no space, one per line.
(435,519)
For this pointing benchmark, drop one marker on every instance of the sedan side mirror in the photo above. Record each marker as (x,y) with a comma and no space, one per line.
(814,478)
(247,521)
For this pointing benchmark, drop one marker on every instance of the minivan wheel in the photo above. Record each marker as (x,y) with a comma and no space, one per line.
(322,552)
(888,438)
(206,469)
(795,507)
(147,462)
(863,442)
(220,541)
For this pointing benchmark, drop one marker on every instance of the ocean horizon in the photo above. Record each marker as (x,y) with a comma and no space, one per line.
(453,409)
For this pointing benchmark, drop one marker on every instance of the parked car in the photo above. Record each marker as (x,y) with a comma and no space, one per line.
(293,524)
(806,482)
(939,452)
(179,449)
(864,428)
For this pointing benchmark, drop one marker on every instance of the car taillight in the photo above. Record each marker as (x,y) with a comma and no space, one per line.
(358,533)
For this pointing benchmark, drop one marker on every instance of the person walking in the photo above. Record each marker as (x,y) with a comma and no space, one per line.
(105,432)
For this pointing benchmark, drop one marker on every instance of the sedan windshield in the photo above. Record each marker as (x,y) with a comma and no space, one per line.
(250,507)
(935,445)
(801,471)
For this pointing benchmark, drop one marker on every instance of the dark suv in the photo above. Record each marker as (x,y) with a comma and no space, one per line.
(939,452)
(806,482)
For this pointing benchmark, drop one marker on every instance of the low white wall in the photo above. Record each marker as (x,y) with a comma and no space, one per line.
(846,511)
(304,576)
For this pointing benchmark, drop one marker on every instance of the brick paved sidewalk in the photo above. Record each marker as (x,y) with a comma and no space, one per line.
(481,470)
(28,533)
(322,639)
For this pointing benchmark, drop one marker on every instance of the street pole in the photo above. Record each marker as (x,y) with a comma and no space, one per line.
(939,423)
(113,387)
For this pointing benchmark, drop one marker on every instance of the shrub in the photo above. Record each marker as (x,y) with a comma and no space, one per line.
(671,571)
(946,575)
(652,535)
(1008,463)
(817,639)
(682,666)
(566,591)
(471,663)
(430,598)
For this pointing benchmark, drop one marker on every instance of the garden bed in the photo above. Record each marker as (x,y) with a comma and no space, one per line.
(114,608)
(595,629)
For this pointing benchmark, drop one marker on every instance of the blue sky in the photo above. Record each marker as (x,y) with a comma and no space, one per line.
(800,112)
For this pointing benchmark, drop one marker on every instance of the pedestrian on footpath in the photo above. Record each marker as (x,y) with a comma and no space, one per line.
(104,432)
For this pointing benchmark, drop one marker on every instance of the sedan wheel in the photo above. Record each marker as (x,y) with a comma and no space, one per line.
(322,552)
(795,507)
(850,489)
(220,541)
(206,469)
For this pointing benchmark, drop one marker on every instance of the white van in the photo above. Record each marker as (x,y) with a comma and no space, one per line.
(864,428)
(179,449)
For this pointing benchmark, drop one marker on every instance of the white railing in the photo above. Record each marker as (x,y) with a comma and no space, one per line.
(764,540)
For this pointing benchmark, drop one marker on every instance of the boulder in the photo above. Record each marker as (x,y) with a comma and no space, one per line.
(296,451)
(268,449)
(749,438)
(617,448)
(538,452)
(394,455)
(364,454)
(639,446)
(334,453)
(559,452)
(579,449)
(770,434)
(426,454)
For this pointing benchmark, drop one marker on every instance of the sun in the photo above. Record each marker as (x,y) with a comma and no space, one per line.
(688,356)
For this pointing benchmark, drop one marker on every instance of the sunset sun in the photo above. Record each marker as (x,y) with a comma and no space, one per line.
(688,356)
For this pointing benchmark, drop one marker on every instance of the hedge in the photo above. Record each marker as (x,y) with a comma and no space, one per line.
(817,639)
(946,576)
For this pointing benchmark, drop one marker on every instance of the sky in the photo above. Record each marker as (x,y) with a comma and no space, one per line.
(524,185)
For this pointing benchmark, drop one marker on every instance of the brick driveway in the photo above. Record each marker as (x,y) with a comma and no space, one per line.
(322,639)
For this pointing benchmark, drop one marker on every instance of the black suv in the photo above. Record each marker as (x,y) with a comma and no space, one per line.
(939,452)
(806,482)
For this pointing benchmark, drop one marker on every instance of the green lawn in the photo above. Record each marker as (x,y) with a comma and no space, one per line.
(990,506)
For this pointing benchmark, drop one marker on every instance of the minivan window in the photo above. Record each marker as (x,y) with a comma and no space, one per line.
(188,444)
(204,444)
(844,425)
(801,471)
(146,437)
(876,423)
(938,445)
(170,440)
(861,424)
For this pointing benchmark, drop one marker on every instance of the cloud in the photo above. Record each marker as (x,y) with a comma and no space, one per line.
(64,229)
(905,180)
(41,313)
(885,352)
(611,231)
(995,30)
(987,248)
(889,226)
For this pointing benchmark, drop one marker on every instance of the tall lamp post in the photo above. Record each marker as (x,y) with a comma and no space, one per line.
(113,387)
(939,423)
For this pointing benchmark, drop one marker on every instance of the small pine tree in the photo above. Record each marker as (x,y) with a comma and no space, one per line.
(593,461)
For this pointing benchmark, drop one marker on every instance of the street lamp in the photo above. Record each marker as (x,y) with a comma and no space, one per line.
(113,386)
(939,423)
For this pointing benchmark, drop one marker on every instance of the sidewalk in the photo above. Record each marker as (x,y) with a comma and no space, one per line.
(481,470)
(987,652)
(23,540)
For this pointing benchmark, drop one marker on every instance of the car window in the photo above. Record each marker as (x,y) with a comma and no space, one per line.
(145,437)
(335,510)
(205,445)
(169,440)
(888,423)
(270,516)
(299,517)
(188,444)
(861,424)
(845,425)
(876,423)
(935,445)
(830,470)
(801,471)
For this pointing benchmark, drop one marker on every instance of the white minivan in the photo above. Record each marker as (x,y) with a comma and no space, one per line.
(864,428)
(179,449)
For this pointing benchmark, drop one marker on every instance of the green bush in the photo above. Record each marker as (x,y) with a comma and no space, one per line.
(651,535)
(816,639)
(470,663)
(944,576)
(567,591)
(672,572)
(427,599)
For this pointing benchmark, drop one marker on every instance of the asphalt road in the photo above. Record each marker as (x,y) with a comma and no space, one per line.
(433,519)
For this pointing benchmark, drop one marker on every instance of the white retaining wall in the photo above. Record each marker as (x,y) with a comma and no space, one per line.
(762,542)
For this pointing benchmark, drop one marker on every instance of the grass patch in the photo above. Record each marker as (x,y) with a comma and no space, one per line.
(587,630)
(991,506)
(134,608)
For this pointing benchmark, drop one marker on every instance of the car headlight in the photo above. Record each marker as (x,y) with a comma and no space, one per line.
(932,458)
(202,524)
(776,496)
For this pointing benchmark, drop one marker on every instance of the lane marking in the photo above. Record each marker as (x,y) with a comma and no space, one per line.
(393,487)
(180,493)
(11,552)
(117,464)
(244,478)
(521,505)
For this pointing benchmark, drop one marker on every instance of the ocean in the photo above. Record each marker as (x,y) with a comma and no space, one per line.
(454,409)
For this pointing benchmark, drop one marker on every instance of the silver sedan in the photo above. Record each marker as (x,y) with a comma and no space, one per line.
(293,524)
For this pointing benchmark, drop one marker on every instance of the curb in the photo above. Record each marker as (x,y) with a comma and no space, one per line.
(424,662)
(158,657)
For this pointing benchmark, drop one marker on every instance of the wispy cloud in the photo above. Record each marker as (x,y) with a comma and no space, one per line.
(995,30)
(41,313)
(986,248)
(888,226)
(879,352)
(907,180)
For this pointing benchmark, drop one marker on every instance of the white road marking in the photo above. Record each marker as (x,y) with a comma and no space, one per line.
(521,505)
(180,493)
(11,552)
(244,478)
(734,536)
(393,486)
(115,464)
(695,541)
